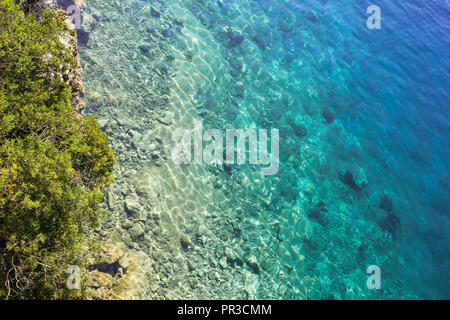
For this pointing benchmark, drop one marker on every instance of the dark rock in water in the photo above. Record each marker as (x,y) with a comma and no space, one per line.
(237,90)
(275,113)
(288,58)
(299,130)
(145,48)
(161,67)
(231,114)
(154,13)
(169,58)
(328,116)
(228,169)
(222,37)
(189,55)
(258,39)
(236,67)
(284,26)
(311,17)
(82,37)
(185,241)
(391,223)
(179,23)
(65,3)
(110,268)
(347,179)
(361,255)
(202,112)
(166,33)
(150,31)
(252,262)
(206,18)
(393,220)
(287,191)
(311,245)
(236,40)
(386,203)
(318,214)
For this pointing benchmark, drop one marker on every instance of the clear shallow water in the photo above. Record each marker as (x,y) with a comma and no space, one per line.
(373,103)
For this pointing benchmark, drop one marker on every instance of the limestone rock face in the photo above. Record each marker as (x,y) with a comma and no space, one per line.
(75,74)
(70,41)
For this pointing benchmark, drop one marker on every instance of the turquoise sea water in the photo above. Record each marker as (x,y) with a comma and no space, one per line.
(364,144)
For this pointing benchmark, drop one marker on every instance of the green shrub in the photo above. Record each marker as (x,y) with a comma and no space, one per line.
(54,164)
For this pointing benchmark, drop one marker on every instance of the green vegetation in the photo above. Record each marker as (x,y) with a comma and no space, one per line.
(54,164)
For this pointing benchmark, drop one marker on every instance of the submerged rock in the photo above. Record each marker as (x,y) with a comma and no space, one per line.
(166,33)
(234,38)
(284,26)
(348,180)
(328,116)
(82,37)
(252,262)
(112,269)
(127,224)
(386,203)
(288,58)
(132,206)
(299,130)
(235,67)
(154,13)
(311,17)
(144,48)
(391,224)
(319,214)
(185,241)
(260,42)
(136,232)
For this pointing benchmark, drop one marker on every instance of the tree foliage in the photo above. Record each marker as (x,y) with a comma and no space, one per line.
(54,164)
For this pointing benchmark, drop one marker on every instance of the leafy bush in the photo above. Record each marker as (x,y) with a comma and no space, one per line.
(54,163)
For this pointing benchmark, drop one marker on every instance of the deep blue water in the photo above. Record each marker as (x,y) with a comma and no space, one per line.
(398,107)
(399,110)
